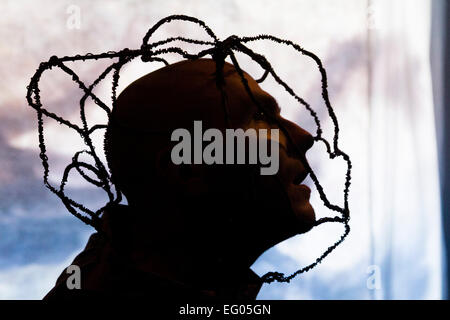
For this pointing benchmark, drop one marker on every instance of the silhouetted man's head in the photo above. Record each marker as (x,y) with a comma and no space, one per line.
(219,213)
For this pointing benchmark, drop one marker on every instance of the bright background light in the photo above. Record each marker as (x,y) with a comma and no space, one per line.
(376,57)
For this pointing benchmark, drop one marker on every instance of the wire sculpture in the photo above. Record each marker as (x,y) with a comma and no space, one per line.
(152,51)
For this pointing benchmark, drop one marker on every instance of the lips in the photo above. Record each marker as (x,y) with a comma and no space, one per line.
(304,189)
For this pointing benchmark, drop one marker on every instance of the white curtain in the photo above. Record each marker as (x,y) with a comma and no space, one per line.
(395,248)
(404,202)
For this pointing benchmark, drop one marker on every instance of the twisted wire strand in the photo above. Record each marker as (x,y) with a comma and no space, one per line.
(151,52)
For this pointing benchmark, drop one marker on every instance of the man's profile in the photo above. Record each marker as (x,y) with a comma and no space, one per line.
(191,230)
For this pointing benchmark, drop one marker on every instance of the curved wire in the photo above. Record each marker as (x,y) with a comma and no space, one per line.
(150,52)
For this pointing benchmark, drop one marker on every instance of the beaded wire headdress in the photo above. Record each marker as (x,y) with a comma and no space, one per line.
(152,51)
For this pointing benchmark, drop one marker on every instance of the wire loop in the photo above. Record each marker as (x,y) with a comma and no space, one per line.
(150,52)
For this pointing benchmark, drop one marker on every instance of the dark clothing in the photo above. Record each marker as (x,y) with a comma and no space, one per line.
(107,271)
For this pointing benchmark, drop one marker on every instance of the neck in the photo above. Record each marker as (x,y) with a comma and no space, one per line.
(176,251)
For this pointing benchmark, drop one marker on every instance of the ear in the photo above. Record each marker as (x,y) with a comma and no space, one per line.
(189,179)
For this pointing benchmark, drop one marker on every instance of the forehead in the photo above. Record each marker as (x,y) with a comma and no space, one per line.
(175,96)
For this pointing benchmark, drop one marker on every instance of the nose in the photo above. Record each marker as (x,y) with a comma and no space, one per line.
(301,138)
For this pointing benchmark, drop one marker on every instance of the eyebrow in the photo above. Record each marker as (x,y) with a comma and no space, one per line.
(270,103)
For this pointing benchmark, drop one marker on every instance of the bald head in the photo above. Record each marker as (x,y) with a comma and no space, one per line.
(238,210)
(174,96)
(150,108)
